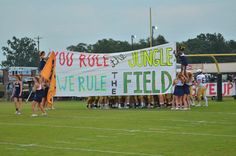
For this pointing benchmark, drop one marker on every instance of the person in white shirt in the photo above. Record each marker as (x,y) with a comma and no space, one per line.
(201,87)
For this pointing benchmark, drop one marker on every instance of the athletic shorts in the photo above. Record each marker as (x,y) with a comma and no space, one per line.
(17,96)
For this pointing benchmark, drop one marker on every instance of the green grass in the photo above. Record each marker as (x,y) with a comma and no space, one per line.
(73,130)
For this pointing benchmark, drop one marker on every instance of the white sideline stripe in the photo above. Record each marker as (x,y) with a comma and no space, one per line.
(27,145)
(19,149)
(199,121)
(158,129)
(82,149)
(64,142)
(103,136)
(124,130)
(125,133)
(190,121)
(174,120)
(229,113)
(170,127)
(85,139)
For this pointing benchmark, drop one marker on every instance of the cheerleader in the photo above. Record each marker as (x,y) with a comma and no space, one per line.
(37,100)
(45,85)
(186,87)
(17,94)
(183,59)
(179,91)
(190,84)
(173,107)
(43,60)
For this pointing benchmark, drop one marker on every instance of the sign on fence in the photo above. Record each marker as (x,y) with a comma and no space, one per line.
(228,89)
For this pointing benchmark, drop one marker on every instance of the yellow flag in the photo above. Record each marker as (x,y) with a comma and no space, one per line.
(52,89)
(48,73)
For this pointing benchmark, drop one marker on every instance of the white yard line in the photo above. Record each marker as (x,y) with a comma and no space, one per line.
(81,149)
(18,149)
(199,121)
(158,129)
(85,139)
(125,133)
(64,142)
(229,113)
(223,122)
(122,130)
(193,134)
(105,136)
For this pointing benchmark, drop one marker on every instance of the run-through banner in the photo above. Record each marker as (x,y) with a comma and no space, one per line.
(147,71)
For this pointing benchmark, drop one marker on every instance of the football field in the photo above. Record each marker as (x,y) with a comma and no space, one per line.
(72,129)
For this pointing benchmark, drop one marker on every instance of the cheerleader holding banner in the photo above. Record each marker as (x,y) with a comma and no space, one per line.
(48,73)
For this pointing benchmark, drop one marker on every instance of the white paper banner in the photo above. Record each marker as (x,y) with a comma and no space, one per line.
(140,72)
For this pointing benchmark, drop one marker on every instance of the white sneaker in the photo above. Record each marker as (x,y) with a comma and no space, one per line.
(18,113)
(44,114)
(142,105)
(34,115)
(185,108)
(177,108)
(173,108)
(198,105)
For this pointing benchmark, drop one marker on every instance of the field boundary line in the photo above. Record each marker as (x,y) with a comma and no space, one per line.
(79,149)
(160,119)
(198,121)
(124,130)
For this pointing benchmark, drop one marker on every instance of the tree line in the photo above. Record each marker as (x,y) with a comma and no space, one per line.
(23,51)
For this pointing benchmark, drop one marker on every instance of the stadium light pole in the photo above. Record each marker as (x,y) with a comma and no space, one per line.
(153,29)
(132,41)
(150,16)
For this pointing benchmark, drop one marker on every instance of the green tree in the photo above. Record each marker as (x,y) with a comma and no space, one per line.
(209,44)
(81,47)
(110,46)
(143,43)
(202,43)
(101,46)
(20,52)
(159,40)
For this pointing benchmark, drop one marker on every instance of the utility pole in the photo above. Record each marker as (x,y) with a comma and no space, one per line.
(38,38)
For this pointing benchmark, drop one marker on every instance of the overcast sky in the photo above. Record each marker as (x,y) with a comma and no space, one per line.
(65,22)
